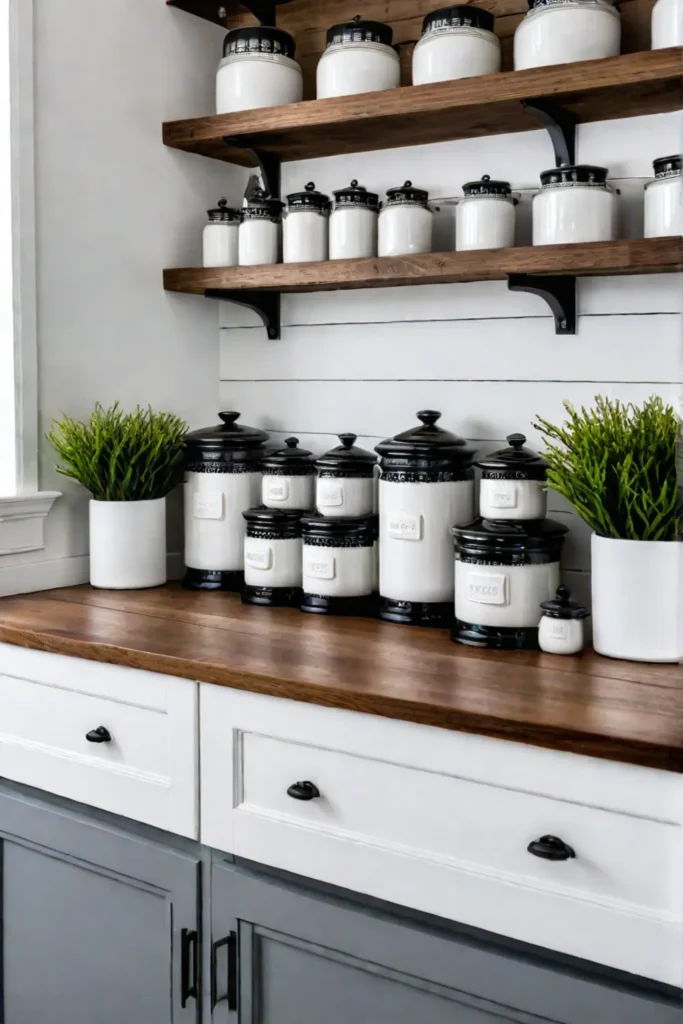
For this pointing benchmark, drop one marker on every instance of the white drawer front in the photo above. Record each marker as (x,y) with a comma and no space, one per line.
(147,771)
(438,837)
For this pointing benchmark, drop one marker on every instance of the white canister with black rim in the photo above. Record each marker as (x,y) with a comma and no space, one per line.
(220,241)
(561,629)
(358,58)
(339,560)
(258,69)
(272,557)
(575,204)
(260,230)
(513,483)
(353,223)
(485,216)
(405,222)
(305,226)
(289,477)
(566,31)
(664,199)
(456,42)
(346,480)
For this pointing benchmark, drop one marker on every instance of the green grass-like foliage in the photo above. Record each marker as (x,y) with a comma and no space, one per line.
(616,464)
(121,456)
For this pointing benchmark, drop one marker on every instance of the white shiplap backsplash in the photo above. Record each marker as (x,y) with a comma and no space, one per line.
(366,361)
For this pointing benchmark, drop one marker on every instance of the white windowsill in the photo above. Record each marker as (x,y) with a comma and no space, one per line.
(22,521)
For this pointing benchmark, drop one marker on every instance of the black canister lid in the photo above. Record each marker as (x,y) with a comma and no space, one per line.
(561,607)
(259,39)
(407,193)
(517,461)
(229,441)
(457,16)
(487,186)
(355,195)
(667,166)
(348,458)
(309,199)
(293,458)
(586,174)
(427,444)
(508,542)
(261,205)
(360,31)
(223,213)
(278,523)
(363,529)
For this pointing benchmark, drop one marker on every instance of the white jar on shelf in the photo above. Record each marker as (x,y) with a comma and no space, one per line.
(565,31)
(339,565)
(220,241)
(513,483)
(258,70)
(358,58)
(664,199)
(667,24)
(346,480)
(289,477)
(305,226)
(575,204)
(260,230)
(456,42)
(272,557)
(353,223)
(485,216)
(405,222)
(561,628)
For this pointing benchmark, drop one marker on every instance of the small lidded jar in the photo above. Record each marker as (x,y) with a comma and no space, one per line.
(346,480)
(339,565)
(259,237)
(485,216)
(575,204)
(405,222)
(667,24)
(359,58)
(561,627)
(289,477)
(305,226)
(258,70)
(457,42)
(565,31)
(272,557)
(353,224)
(664,199)
(220,241)
(513,483)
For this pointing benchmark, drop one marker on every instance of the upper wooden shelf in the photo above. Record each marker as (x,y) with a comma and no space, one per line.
(649,82)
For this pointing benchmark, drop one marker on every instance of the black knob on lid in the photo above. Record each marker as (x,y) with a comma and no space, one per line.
(303,791)
(291,442)
(229,417)
(429,417)
(516,440)
(354,183)
(310,187)
(551,848)
(348,440)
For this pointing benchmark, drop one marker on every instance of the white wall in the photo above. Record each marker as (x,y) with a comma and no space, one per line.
(366,361)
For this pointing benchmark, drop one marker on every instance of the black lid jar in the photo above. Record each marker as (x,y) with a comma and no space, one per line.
(425,454)
(346,460)
(359,31)
(255,39)
(310,201)
(272,557)
(288,477)
(487,542)
(667,166)
(355,195)
(562,607)
(488,187)
(289,461)
(261,206)
(346,480)
(513,483)
(568,175)
(229,447)
(407,195)
(224,214)
(273,523)
(458,16)
(339,564)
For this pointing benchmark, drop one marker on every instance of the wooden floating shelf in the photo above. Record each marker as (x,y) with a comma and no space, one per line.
(649,82)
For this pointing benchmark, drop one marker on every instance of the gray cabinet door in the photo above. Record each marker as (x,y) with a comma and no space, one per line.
(284,955)
(98,926)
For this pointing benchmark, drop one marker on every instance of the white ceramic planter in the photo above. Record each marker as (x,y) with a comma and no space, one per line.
(127,544)
(637,591)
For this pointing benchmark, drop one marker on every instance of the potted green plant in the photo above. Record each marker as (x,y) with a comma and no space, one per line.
(129,462)
(616,464)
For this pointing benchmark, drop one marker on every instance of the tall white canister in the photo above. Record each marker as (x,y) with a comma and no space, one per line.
(220,241)
(353,224)
(575,204)
(664,198)
(305,226)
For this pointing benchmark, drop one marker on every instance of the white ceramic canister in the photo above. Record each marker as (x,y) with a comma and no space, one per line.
(457,42)
(260,230)
(564,31)
(485,216)
(561,628)
(339,565)
(405,222)
(272,557)
(426,485)
(512,483)
(667,24)
(127,544)
(358,58)
(289,477)
(664,199)
(222,479)
(346,480)
(305,226)
(353,224)
(258,70)
(220,241)
(575,204)
(503,571)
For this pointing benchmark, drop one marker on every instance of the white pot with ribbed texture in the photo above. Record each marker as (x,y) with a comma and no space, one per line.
(128,544)
(637,589)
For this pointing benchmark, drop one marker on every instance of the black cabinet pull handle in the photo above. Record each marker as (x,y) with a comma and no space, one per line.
(189,966)
(99,735)
(230,997)
(303,791)
(551,848)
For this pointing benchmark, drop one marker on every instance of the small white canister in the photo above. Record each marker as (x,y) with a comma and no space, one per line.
(258,70)
(220,241)
(305,226)
(561,628)
(575,204)
(260,230)
(289,477)
(664,199)
(359,58)
(405,222)
(503,571)
(485,216)
(346,480)
(353,224)
(564,31)
(272,557)
(513,483)
(457,42)
(667,24)
(339,561)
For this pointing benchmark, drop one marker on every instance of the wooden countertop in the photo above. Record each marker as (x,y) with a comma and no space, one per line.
(622,711)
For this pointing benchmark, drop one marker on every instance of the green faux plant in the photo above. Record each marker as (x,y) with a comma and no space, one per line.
(616,464)
(120,456)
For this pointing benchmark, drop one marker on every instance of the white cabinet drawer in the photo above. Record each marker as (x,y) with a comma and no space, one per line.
(147,770)
(442,821)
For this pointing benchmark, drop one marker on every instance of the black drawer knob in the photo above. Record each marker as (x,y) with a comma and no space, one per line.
(551,848)
(99,735)
(303,791)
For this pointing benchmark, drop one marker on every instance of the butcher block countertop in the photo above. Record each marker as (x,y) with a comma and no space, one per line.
(622,711)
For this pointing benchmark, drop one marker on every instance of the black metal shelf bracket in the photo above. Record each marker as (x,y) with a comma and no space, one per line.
(264,10)
(558,291)
(269,165)
(266,304)
(560,125)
